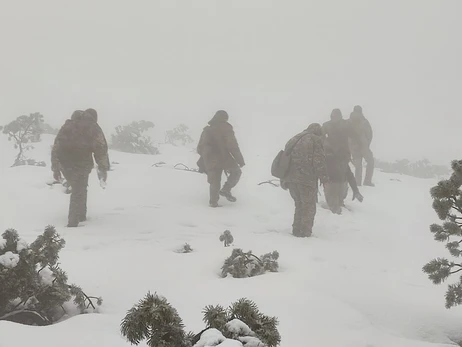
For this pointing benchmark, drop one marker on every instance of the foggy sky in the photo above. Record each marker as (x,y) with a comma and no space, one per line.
(276,66)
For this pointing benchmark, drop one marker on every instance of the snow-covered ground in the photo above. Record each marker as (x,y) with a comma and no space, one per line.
(356,283)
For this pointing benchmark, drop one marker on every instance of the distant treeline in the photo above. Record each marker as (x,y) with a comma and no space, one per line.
(422,168)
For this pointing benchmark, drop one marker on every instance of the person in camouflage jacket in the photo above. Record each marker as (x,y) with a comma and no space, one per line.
(78,140)
(308,166)
(219,152)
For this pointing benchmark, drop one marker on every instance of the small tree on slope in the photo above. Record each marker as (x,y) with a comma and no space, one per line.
(447,202)
(24,130)
(33,288)
(245,264)
(178,136)
(131,139)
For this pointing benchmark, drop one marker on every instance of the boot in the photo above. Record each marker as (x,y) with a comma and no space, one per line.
(369,184)
(215,205)
(227,194)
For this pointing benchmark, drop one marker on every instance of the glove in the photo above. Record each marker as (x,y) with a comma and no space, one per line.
(57,176)
(102,175)
(357,196)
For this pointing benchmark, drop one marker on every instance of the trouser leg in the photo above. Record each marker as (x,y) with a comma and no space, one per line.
(83,201)
(78,180)
(308,197)
(214,179)
(305,209)
(358,164)
(296,225)
(369,157)
(333,193)
(234,175)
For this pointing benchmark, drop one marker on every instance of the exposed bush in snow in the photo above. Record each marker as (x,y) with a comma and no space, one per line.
(447,202)
(31,162)
(186,248)
(129,138)
(48,129)
(23,131)
(178,136)
(155,320)
(242,324)
(245,264)
(33,287)
(421,169)
(227,238)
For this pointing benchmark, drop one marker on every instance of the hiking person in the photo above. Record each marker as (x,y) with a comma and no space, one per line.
(337,133)
(78,140)
(219,152)
(308,166)
(360,146)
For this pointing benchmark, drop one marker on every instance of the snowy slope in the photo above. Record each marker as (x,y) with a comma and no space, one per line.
(357,282)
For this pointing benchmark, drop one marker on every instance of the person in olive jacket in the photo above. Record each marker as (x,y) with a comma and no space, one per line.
(219,152)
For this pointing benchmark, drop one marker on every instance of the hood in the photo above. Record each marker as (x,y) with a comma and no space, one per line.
(336,114)
(219,117)
(77,115)
(92,114)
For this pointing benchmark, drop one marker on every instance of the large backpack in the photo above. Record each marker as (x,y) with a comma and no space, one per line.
(281,164)
(76,139)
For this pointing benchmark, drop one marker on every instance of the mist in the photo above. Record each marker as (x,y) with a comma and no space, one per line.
(275,66)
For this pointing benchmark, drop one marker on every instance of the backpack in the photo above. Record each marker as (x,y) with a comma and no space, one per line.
(281,164)
(76,139)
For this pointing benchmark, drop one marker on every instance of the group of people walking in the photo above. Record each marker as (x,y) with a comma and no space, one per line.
(318,155)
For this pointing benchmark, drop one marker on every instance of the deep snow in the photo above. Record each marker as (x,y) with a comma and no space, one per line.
(356,282)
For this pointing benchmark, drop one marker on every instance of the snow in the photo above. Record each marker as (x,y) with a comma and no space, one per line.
(47,276)
(356,282)
(251,342)
(21,245)
(238,327)
(211,337)
(9,260)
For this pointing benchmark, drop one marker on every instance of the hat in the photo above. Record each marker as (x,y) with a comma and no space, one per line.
(336,114)
(92,113)
(220,116)
(76,115)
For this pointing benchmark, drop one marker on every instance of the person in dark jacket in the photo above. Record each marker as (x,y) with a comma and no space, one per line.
(360,146)
(337,134)
(78,140)
(307,168)
(219,152)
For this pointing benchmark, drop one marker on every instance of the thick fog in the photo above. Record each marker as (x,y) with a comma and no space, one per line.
(275,66)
